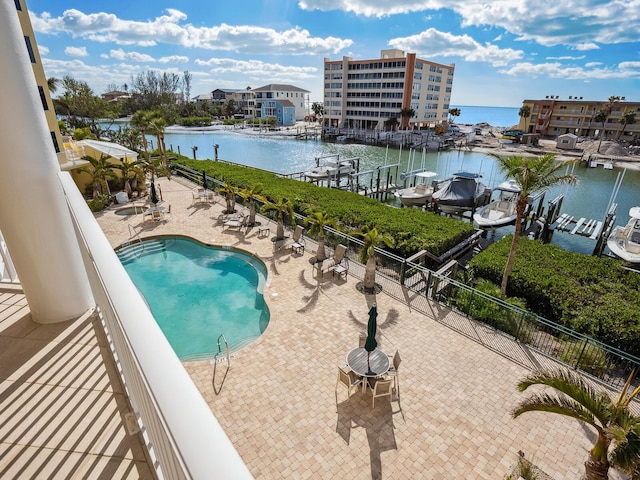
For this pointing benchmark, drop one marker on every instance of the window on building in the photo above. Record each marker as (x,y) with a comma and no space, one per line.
(18,6)
(417,76)
(417,86)
(32,55)
(55,142)
(43,98)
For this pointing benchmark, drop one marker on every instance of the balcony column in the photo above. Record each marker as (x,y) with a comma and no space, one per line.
(34,217)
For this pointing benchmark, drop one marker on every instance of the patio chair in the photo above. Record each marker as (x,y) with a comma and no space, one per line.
(362,339)
(348,379)
(330,263)
(157,215)
(297,241)
(211,196)
(265,229)
(380,388)
(393,371)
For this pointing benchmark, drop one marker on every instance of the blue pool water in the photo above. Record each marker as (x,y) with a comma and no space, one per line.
(197,292)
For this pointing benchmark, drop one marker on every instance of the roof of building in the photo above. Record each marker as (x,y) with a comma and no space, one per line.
(281,101)
(203,96)
(272,87)
(112,149)
(226,90)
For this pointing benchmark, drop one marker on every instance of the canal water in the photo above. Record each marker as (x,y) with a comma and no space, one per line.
(282,155)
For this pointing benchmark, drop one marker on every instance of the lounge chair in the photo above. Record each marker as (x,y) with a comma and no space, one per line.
(330,263)
(296,243)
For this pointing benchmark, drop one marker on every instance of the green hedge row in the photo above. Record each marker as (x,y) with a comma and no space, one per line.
(413,230)
(592,295)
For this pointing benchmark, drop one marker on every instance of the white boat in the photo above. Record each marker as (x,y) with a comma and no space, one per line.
(419,195)
(500,211)
(624,242)
(331,169)
(459,194)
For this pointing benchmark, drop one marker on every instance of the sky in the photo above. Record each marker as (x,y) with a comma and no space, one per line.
(505,51)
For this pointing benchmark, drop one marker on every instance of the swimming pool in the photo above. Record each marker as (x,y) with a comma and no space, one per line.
(197,292)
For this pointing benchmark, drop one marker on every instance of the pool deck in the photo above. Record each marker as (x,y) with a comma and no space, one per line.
(277,403)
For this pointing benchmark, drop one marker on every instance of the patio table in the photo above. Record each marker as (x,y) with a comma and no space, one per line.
(376,365)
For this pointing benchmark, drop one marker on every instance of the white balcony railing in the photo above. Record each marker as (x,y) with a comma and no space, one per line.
(183,437)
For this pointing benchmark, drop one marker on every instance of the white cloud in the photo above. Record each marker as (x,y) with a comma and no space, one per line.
(76,51)
(169,29)
(586,46)
(566,57)
(574,72)
(120,54)
(584,23)
(257,70)
(174,59)
(432,43)
(43,50)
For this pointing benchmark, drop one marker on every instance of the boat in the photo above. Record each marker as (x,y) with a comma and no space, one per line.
(624,242)
(502,210)
(420,194)
(462,193)
(331,169)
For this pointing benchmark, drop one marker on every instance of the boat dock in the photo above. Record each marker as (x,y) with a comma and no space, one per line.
(578,226)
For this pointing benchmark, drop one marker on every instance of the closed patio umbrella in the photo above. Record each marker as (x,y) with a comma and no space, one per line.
(154,194)
(204,180)
(371,343)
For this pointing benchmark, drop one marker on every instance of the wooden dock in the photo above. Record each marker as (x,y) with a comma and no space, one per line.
(578,226)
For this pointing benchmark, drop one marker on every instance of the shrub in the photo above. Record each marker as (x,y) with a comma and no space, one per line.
(99,203)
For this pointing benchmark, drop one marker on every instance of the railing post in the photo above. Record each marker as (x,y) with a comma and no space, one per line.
(403,269)
(586,341)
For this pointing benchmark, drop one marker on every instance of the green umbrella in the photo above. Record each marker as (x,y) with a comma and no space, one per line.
(154,195)
(204,180)
(371,343)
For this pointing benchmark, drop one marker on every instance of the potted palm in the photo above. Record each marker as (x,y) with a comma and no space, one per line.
(284,207)
(318,220)
(372,238)
(249,195)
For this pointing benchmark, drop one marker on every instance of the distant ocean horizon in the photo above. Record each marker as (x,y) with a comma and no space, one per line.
(494,116)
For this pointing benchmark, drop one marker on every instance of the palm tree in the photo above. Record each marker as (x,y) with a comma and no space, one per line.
(391,123)
(141,120)
(52,84)
(531,174)
(318,220)
(453,113)
(628,118)
(101,170)
(129,172)
(406,114)
(603,115)
(618,430)
(372,238)
(251,194)
(284,207)
(229,191)
(525,112)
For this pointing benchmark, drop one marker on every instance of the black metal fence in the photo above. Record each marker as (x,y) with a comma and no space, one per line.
(538,339)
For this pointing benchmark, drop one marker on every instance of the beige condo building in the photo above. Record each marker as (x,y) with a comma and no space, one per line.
(553,116)
(367,93)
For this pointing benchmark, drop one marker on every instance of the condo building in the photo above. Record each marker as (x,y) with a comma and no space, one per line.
(554,116)
(369,94)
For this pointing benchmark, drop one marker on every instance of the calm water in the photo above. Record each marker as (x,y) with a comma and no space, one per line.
(197,292)
(588,200)
(494,116)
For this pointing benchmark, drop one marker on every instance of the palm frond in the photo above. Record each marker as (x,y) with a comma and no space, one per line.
(544,402)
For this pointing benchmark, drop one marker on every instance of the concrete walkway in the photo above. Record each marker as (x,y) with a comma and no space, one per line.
(277,402)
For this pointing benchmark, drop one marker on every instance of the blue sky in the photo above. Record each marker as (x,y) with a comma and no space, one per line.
(505,51)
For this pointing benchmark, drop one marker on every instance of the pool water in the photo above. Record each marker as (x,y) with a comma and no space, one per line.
(126,211)
(197,292)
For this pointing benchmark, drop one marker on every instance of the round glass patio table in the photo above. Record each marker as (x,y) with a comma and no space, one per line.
(376,365)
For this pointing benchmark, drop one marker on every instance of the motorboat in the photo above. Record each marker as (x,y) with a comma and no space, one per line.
(462,193)
(500,211)
(624,242)
(330,169)
(420,194)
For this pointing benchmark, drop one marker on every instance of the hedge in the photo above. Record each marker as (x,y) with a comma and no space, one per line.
(413,230)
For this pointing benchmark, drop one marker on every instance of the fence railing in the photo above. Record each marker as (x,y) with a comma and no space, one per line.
(539,335)
(150,371)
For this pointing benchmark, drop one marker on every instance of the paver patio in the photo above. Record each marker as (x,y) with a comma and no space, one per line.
(277,403)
